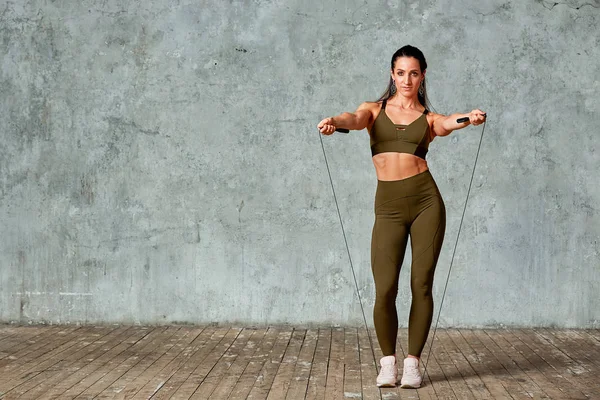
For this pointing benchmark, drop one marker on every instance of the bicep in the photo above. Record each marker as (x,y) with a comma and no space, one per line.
(363,115)
(438,126)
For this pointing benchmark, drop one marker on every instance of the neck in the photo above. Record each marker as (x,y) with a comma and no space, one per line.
(408,103)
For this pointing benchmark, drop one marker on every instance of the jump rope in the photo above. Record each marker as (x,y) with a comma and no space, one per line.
(459,120)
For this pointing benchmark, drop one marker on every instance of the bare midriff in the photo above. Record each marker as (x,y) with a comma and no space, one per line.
(397,166)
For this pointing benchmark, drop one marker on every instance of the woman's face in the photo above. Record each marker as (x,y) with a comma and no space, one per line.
(407,75)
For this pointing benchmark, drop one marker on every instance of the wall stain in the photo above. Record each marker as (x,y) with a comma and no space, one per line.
(87,189)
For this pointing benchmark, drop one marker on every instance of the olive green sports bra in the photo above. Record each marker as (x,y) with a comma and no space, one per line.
(389,137)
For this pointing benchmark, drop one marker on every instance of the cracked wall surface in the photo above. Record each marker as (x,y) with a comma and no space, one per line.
(161,162)
(572,4)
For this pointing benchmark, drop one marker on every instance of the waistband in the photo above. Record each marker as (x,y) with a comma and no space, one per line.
(421,177)
(421,183)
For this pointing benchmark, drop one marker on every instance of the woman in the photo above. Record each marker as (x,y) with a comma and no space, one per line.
(407,202)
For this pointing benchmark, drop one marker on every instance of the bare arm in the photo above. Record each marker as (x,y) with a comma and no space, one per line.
(443,125)
(357,120)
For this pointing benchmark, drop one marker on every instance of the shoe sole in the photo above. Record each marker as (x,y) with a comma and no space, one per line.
(389,385)
(407,386)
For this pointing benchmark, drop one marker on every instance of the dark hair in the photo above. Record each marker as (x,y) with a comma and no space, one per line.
(409,51)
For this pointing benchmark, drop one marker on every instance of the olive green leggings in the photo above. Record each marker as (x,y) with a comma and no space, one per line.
(411,206)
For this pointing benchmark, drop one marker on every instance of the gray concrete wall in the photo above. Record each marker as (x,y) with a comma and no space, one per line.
(161,162)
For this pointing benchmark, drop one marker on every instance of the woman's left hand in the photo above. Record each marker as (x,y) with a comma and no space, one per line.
(477,117)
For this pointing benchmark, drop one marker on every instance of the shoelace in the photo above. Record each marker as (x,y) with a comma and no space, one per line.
(411,369)
(388,369)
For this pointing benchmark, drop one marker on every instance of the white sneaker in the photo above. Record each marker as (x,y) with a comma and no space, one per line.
(411,375)
(388,375)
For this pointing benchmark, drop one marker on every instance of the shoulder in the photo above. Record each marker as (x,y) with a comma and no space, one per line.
(370,105)
(432,117)
(370,108)
(368,112)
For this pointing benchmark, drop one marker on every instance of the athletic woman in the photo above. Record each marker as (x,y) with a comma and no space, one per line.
(407,203)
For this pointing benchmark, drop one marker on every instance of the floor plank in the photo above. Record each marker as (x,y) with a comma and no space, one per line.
(545,368)
(159,344)
(483,356)
(196,362)
(220,368)
(201,371)
(233,374)
(352,371)
(187,361)
(318,373)
(576,349)
(463,369)
(301,374)
(266,375)
(442,386)
(481,369)
(246,381)
(281,382)
(125,362)
(368,366)
(549,388)
(531,389)
(157,377)
(56,353)
(120,354)
(453,376)
(72,363)
(24,339)
(114,345)
(334,388)
(564,365)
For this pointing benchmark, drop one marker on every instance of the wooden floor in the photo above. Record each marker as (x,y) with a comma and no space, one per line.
(122,362)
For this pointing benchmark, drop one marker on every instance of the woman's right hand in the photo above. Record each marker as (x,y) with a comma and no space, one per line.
(326,126)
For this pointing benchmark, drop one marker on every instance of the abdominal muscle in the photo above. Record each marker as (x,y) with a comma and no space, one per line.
(396,166)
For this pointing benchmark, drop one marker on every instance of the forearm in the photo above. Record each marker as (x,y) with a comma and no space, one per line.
(346,120)
(449,124)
